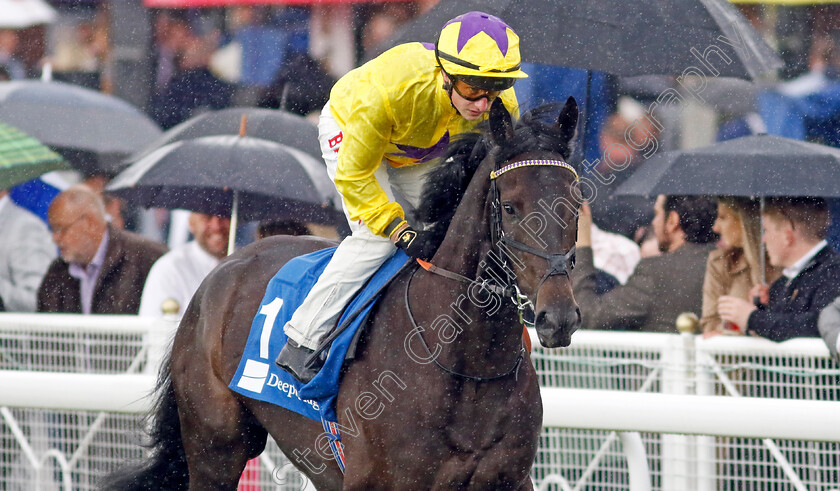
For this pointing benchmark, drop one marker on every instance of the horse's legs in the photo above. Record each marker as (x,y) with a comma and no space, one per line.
(219,434)
(299,438)
(219,437)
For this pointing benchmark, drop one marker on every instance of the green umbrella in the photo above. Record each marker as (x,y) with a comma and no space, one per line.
(23,158)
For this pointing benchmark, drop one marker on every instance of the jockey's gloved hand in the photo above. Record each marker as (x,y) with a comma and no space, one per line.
(417,244)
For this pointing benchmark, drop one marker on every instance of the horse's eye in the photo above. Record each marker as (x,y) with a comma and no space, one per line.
(508,208)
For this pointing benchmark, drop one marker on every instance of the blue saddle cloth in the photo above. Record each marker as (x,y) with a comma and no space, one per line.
(259,378)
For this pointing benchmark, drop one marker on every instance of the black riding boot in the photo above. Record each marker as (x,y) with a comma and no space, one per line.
(293,358)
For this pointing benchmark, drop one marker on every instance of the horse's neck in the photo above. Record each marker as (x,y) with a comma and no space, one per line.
(489,340)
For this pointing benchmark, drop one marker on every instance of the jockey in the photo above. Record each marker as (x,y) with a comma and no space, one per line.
(381,130)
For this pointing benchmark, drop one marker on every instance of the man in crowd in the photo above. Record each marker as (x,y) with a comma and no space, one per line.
(101,270)
(180,271)
(661,287)
(624,215)
(25,254)
(794,233)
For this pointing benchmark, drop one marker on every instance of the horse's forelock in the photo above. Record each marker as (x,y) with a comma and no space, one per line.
(537,130)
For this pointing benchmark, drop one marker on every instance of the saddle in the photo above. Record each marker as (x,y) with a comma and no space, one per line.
(285,292)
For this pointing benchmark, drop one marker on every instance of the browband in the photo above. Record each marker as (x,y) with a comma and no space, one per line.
(526,163)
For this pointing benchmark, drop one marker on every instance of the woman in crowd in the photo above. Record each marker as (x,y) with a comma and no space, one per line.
(735,266)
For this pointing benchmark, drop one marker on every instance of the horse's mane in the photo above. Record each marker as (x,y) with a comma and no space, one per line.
(446,185)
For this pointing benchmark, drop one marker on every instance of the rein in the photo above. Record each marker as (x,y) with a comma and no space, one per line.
(558,264)
(513,369)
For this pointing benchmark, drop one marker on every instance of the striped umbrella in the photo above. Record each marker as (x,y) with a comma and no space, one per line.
(23,158)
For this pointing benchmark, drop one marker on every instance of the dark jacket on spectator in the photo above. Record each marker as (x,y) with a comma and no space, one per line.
(188,94)
(793,309)
(660,288)
(119,285)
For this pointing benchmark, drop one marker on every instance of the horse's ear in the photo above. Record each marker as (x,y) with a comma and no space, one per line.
(501,124)
(567,121)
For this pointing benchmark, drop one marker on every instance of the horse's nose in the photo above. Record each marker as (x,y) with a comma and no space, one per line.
(555,327)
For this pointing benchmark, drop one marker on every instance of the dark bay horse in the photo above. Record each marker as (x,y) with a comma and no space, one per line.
(441,394)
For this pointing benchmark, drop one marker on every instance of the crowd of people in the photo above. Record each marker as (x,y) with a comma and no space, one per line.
(709,261)
(641,261)
(84,262)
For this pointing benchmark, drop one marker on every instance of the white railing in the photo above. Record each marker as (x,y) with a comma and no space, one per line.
(630,411)
(666,384)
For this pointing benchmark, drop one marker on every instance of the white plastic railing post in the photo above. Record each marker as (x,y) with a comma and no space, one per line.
(160,334)
(676,468)
(637,463)
(706,468)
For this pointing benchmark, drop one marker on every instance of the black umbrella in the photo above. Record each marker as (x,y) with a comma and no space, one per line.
(244,177)
(756,165)
(94,131)
(268,124)
(640,37)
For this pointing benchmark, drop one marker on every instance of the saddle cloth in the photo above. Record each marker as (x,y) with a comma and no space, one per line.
(259,378)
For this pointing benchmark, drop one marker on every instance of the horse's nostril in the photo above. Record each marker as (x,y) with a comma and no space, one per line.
(540,319)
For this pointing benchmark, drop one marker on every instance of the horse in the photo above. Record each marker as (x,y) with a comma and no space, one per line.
(441,393)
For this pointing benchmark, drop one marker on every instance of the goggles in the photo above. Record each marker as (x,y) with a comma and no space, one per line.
(473,94)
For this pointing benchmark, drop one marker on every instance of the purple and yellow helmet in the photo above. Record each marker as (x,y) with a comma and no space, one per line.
(481,50)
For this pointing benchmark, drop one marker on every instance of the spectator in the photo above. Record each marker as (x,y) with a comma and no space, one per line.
(301,86)
(661,287)
(172,34)
(179,272)
(829,327)
(8,47)
(794,232)
(25,254)
(101,270)
(624,215)
(735,267)
(193,90)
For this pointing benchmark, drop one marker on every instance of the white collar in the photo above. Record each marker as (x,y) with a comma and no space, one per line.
(5,199)
(793,270)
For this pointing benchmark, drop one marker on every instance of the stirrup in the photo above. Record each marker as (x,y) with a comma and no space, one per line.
(294,359)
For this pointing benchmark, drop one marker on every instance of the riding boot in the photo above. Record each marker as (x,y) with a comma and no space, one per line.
(293,358)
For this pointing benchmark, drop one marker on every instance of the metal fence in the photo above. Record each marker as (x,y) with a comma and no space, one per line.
(71,449)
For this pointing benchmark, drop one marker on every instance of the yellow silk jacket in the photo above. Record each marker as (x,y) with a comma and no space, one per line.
(393,109)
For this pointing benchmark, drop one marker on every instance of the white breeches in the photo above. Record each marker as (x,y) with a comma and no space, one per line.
(359,255)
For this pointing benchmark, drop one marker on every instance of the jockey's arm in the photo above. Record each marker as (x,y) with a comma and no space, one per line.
(367,132)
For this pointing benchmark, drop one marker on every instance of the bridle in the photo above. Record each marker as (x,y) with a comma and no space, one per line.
(558,264)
